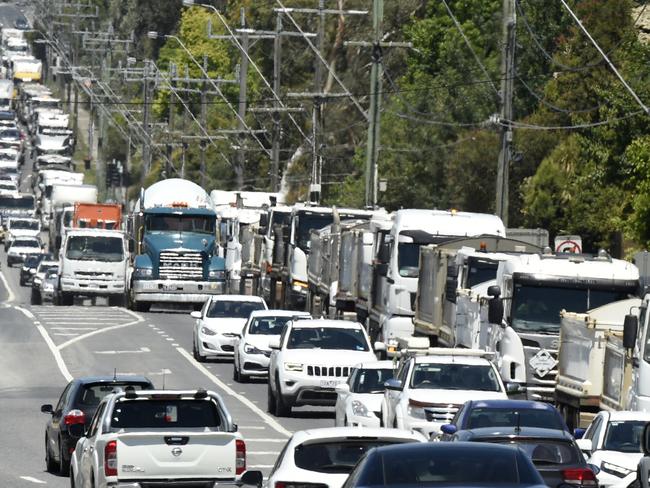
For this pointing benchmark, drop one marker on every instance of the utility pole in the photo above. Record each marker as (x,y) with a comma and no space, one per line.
(146,144)
(507,89)
(243,93)
(170,121)
(277,81)
(204,121)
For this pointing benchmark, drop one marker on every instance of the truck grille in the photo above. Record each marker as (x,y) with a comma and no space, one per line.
(335,371)
(441,413)
(93,274)
(177,265)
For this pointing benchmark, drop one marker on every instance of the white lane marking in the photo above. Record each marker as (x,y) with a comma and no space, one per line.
(175,345)
(138,351)
(33,480)
(48,340)
(66,334)
(170,339)
(138,320)
(73,328)
(160,373)
(229,391)
(10,292)
(252,427)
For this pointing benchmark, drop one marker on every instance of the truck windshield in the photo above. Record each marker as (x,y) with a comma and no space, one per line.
(371,380)
(327,338)
(480,270)
(23,202)
(203,224)
(306,222)
(536,307)
(172,413)
(95,248)
(454,376)
(408,253)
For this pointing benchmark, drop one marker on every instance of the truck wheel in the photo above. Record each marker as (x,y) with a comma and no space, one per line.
(282,406)
(35,298)
(270,398)
(66,299)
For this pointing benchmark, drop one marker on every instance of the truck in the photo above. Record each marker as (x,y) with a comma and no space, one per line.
(160,437)
(525,304)
(584,339)
(93,263)
(97,216)
(272,257)
(453,280)
(16,205)
(52,135)
(7,95)
(26,68)
(177,258)
(396,262)
(56,211)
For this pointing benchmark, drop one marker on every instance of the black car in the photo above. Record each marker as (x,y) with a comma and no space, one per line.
(445,464)
(77,405)
(554,452)
(28,269)
(21,23)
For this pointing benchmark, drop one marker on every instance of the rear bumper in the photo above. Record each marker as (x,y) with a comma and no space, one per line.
(176,291)
(184,483)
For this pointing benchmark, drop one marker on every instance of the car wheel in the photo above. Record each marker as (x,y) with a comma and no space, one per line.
(197,355)
(64,464)
(35,298)
(50,464)
(235,372)
(282,406)
(270,398)
(22,282)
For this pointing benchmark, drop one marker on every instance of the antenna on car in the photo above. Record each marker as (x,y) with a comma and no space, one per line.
(163,375)
(114,374)
(518,423)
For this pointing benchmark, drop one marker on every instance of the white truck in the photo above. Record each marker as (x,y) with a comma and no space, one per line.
(526,301)
(61,196)
(25,68)
(160,437)
(584,338)
(7,95)
(93,263)
(396,262)
(52,133)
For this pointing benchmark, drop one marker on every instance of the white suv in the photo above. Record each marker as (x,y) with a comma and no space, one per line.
(427,391)
(311,358)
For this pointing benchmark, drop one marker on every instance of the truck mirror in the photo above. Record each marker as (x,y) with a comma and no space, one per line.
(494,291)
(495,310)
(131,246)
(382,269)
(630,327)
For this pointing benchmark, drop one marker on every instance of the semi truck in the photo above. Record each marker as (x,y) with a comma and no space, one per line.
(525,303)
(176,258)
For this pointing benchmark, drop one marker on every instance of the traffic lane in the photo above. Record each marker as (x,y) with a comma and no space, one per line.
(181,326)
(29,379)
(8,15)
(143,348)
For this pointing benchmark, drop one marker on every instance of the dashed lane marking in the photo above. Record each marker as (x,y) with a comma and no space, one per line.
(137,351)
(33,480)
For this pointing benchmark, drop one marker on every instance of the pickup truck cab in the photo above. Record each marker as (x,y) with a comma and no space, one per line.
(142,437)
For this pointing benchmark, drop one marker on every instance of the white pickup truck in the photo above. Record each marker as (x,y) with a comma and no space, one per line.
(143,438)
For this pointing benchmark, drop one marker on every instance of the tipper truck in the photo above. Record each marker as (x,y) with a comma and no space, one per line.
(97,216)
(176,260)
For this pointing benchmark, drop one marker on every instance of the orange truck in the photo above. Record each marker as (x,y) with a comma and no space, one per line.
(97,216)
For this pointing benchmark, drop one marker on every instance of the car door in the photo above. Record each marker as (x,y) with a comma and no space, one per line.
(344,398)
(54,425)
(392,397)
(87,447)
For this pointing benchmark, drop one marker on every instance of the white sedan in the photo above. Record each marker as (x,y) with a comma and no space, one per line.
(327,456)
(252,350)
(220,323)
(613,443)
(358,401)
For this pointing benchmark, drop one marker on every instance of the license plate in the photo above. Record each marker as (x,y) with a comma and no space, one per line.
(329,383)
(170,287)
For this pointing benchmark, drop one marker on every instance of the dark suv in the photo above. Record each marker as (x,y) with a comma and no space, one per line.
(28,269)
(77,405)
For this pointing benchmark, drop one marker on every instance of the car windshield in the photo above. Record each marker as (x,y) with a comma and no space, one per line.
(308,221)
(624,436)
(268,325)
(454,376)
(89,395)
(511,417)
(24,224)
(26,243)
(454,466)
(10,134)
(480,270)
(536,307)
(335,456)
(94,248)
(233,309)
(44,268)
(327,338)
(369,380)
(202,224)
(32,261)
(545,451)
(172,413)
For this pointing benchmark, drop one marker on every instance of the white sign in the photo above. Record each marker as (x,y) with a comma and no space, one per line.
(572,244)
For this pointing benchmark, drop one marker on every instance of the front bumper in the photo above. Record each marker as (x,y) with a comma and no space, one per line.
(93,287)
(310,390)
(254,364)
(216,345)
(176,291)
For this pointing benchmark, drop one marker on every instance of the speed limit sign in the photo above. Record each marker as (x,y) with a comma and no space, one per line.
(571,244)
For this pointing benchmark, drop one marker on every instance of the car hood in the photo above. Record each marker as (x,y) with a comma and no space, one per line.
(24,250)
(328,357)
(225,325)
(259,341)
(456,397)
(628,460)
(23,232)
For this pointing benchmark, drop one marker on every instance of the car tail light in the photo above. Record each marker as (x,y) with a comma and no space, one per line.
(580,477)
(240,462)
(110,459)
(74,417)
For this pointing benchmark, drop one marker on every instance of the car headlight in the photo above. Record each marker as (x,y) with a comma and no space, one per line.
(48,287)
(206,331)
(359,409)
(37,280)
(293,366)
(217,274)
(32,271)
(250,349)
(615,470)
(416,412)
(299,286)
(142,273)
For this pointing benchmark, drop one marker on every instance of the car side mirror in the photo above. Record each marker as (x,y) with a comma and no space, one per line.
(196,314)
(252,478)
(77,430)
(393,384)
(630,328)
(274,343)
(579,433)
(342,388)
(131,246)
(379,346)
(512,388)
(585,445)
(47,408)
(494,291)
(449,429)
(382,269)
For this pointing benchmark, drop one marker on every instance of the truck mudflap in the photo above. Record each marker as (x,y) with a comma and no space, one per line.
(183,455)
